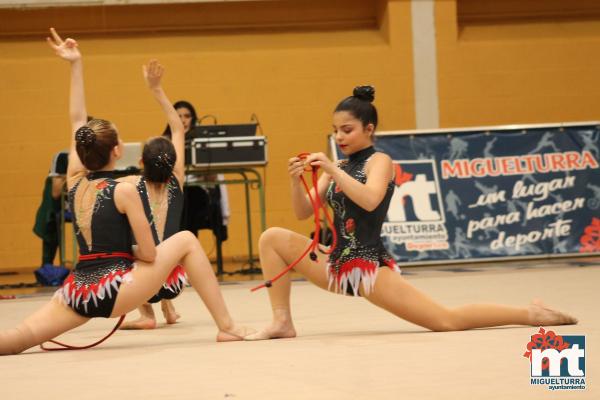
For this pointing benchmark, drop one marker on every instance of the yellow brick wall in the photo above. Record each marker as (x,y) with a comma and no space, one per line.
(291,79)
(526,64)
(489,72)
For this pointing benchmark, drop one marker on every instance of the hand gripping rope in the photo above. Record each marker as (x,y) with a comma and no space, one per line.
(317,207)
(118,324)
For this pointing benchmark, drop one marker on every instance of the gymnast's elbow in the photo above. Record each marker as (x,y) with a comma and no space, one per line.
(370,204)
(301,215)
(150,257)
(144,254)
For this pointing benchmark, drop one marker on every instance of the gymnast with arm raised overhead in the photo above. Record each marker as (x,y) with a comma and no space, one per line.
(161,189)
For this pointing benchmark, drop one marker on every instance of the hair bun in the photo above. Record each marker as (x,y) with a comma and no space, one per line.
(366,93)
(85,136)
(164,161)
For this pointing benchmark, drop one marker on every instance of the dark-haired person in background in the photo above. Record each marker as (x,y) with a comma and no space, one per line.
(160,188)
(187,114)
(111,278)
(359,190)
(203,207)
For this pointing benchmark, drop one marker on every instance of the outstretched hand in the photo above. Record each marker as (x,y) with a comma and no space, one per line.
(65,49)
(153,73)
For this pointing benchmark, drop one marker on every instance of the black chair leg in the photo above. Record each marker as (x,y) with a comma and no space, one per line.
(219,256)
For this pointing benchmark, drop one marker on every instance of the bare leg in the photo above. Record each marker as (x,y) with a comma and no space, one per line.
(278,248)
(147,319)
(168,310)
(181,248)
(394,294)
(46,323)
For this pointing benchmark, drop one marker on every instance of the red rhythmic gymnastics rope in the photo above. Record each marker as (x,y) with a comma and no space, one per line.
(93,256)
(89,346)
(317,205)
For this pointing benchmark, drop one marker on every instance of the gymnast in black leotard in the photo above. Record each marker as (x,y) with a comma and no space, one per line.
(163,204)
(161,191)
(104,239)
(162,197)
(359,190)
(164,225)
(359,252)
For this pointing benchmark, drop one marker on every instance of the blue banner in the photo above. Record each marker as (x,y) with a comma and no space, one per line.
(467,195)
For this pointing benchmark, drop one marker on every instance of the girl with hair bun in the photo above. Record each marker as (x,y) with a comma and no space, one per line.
(161,190)
(111,277)
(359,191)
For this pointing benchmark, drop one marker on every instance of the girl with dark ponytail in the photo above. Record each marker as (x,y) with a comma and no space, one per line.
(359,190)
(161,190)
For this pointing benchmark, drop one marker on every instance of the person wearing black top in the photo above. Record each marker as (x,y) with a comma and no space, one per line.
(203,207)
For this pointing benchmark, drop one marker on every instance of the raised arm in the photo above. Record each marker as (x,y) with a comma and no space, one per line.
(379,170)
(153,73)
(68,50)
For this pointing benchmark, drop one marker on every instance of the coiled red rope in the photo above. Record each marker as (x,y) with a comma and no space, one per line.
(63,346)
(317,206)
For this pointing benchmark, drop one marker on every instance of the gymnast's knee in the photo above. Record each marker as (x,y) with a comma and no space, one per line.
(448,323)
(189,240)
(271,238)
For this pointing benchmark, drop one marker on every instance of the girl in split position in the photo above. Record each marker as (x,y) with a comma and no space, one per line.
(359,191)
(111,278)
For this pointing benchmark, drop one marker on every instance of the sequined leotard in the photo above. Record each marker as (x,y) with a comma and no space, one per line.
(104,238)
(170,226)
(359,251)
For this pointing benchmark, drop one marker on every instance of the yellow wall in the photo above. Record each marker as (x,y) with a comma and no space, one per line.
(292,79)
(524,65)
(517,62)
(495,65)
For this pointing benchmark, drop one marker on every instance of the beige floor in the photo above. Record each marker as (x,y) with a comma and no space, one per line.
(346,349)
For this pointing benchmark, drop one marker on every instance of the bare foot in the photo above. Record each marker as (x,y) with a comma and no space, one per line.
(277,330)
(235,334)
(171,316)
(140,323)
(540,314)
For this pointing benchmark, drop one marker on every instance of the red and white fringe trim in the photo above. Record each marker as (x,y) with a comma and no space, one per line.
(354,273)
(392,265)
(70,294)
(176,280)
